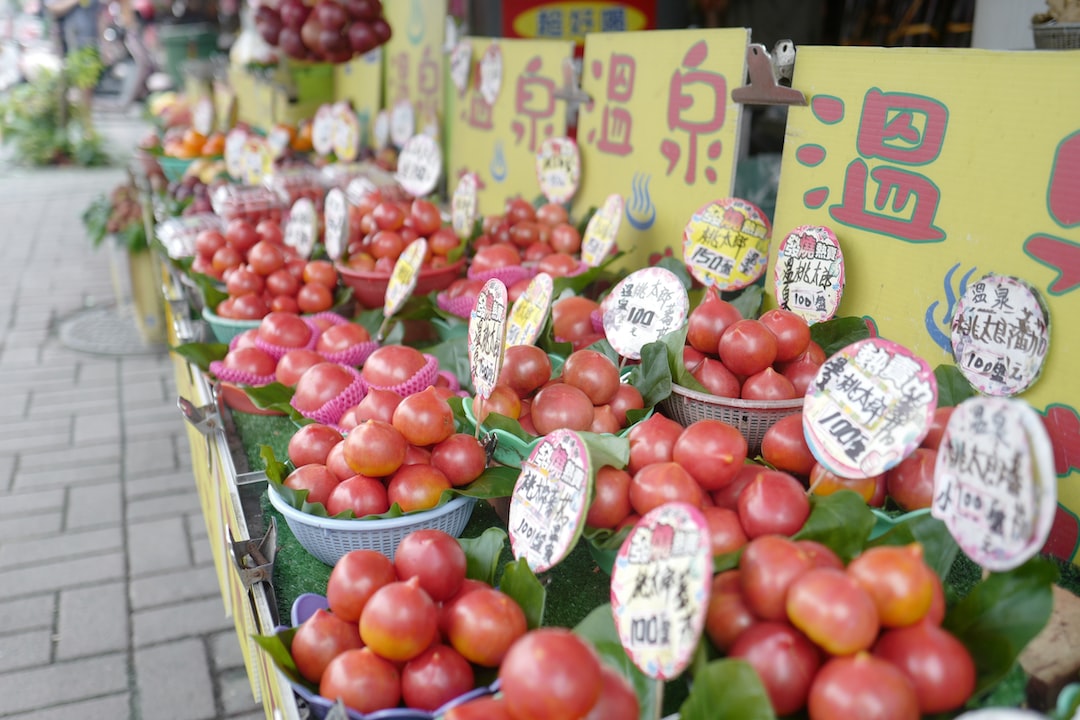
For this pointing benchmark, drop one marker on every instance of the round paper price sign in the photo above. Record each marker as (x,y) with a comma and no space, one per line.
(346,133)
(336,217)
(322,130)
(558,169)
(464,206)
(1000,335)
(646,305)
(419,165)
(868,408)
(601,231)
(278,140)
(461,65)
(257,160)
(302,228)
(487,337)
(530,311)
(202,117)
(404,276)
(809,275)
(726,244)
(491,73)
(402,123)
(660,589)
(380,129)
(995,485)
(234,153)
(549,503)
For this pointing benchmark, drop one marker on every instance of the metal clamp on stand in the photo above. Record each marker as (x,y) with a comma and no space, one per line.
(206,418)
(765,71)
(254,559)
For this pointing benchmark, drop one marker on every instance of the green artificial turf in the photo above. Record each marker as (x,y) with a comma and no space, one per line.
(258,430)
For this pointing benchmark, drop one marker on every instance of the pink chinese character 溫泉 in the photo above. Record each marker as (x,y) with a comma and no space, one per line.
(680,105)
(534,99)
(616,122)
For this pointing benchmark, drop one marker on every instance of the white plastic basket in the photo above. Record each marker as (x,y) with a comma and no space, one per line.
(1056,36)
(328,538)
(750,417)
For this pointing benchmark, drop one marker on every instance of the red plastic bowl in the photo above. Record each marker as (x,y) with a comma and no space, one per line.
(369,288)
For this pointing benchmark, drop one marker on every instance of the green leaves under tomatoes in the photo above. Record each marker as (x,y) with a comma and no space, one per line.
(729,684)
(598,627)
(953,387)
(482,554)
(842,521)
(1001,615)
(519,582)
(201,354)
(836,334)
(939,548)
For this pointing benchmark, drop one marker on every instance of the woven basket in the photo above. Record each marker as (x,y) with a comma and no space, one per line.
(1056,36)
(328,539)
(751,417)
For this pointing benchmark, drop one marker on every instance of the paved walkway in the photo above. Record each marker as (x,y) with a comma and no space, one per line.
(109,604)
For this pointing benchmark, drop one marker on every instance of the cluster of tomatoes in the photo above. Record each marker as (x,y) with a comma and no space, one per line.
(187,143)
(381,227)
(770,358)
(412,629)
(253,203)
(262,274)
(586,395)
(857,641)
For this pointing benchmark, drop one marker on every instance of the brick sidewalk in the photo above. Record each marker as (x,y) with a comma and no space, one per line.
(109,604)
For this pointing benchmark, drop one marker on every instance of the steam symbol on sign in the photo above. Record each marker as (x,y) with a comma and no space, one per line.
(416,27)
(498,164)
(640,211)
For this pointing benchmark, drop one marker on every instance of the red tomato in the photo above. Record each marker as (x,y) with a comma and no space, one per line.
(392,365)
(652,441)
(249,307)
(519,210)
(784,446)
(355,578)
(362,494)
(294,363)
(251,360)
(768,385)
(425,217)
(593,373)
(571,317)
(320,639)
(443,241)
(314,297)
(712,452)
(435,558)
(773,502)
(388,216)
(551,214)
(660,483)
(312,443)
(708,321)
(270,231)
(493,257)
(377,405)
(783,658)
(339,338)
(319,385)
(565,238)
(284,330)
(833,610)
(417,487)
(938,665)
(364,681)
(265,257)
(569,666)
(435,677)
(792,333)
(558,264)
(911,483)
(375,448)
(208,242)
(560,405)
(399,621)
(241,235)
(747,347)
(767,568)
(460,457)
(424,418)
(611,499)
(862,686)
(282,282)
(316,479)
(937,427)
(483,624)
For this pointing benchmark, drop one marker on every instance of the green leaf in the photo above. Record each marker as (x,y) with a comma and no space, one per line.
(277,647)
(678,267)
(939,548)
(836,334)
(211,289)
(952,387)
(652,377)
(598,627)
(729,684)
(605,539)
(603,347)
(727,561)
(842,521)
(675,341)
(548,344)
(343,297)
(453,356)
(1068,702)
(276,471)
(201,354)
(583,223)
(494,482)
(275,396)
(498,421)
(748,302)
(482,554)
(605,449)
(519,582)
(1001,615)
(578,283)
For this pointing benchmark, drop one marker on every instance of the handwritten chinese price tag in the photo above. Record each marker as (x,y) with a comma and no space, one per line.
(234,153)
(419,165)
(380,129)
(257,160)
(461,65)
(202,118)
(404,276)
(660,589)
(530,311)
(491,73)
(558,169)
(278,140)
(550,500)
(726,244)
(809,275)
(402,122)
(464,206)
(868,408)
(645,305)
(336,216)
(1000,335)
(302,227)
(601,231)
(487,337)
(995,485)
(322,130)
(346,133)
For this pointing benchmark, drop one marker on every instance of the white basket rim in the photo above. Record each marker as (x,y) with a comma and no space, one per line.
(360,526)
(1055,25)
(737,403)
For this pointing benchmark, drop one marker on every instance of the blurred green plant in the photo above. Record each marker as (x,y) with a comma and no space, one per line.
(46,128)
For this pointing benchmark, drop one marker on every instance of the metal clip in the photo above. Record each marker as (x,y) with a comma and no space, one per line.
(764,71)
(571,92)
(206,418)
(254,559)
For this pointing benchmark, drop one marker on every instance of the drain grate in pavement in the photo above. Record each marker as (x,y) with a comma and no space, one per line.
(107,330)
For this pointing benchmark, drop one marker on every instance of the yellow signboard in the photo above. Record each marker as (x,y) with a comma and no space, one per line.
(414,57)
(661,129)
(498,141)
(934,168)
(358,82)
